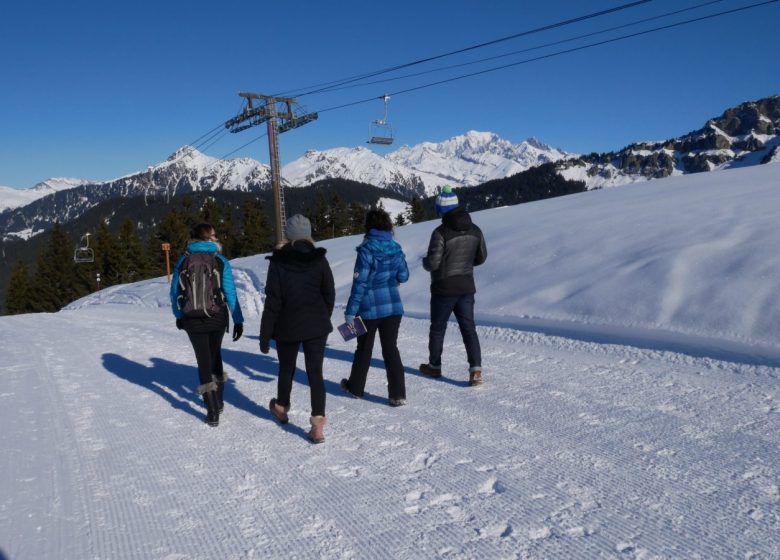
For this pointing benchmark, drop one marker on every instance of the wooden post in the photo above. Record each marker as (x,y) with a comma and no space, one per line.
(167,248)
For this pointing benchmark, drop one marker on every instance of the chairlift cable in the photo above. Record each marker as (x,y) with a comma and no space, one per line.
(351,79)
(567,51)
(550,55)
(460,65)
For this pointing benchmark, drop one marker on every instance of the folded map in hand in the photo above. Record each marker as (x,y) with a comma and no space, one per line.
(350,332)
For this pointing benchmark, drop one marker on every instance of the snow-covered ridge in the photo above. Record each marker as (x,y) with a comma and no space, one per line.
(748,134)
(14,198)
(695,255)
(466,160)
(186,170)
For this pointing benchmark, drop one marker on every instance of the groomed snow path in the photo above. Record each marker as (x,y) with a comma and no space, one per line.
(570,450)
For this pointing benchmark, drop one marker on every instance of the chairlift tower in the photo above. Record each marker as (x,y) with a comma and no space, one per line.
(279,116)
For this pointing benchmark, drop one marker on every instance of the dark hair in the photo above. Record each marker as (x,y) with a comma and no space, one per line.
(201,231)
(378,219)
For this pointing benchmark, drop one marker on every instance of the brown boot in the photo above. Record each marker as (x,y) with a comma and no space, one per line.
(430,371)
(317,433)
(279,411)
(475,377)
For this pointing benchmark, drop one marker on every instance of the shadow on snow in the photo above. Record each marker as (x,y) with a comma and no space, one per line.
(175,383)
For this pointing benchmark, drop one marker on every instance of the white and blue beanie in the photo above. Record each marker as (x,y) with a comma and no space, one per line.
(447,200)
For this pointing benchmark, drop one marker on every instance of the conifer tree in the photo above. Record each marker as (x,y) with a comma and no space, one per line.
(174,228)
(18,298)
(320,221)
(211,213)
(55,275)
(226,230)
(107,256)
(255,232)
(339,217)
(399,220)
(357,218)
(416,211)
(130,250)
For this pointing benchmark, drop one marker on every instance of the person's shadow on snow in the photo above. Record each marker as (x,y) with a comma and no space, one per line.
(174,382)
(257,367)
(162,377)
(346,356)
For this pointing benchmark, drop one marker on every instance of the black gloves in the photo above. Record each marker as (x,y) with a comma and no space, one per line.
(265,346)
(238,330)
(180,324)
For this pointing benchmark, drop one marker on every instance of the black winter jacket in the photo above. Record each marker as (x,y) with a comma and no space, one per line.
(299,294)
(456,247)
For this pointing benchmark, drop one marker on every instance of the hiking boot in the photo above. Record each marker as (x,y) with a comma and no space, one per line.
(212,414)
(220,394)
(317,433)
(475,377)
(397,402)
(345,386)
(279,411)
(430,371)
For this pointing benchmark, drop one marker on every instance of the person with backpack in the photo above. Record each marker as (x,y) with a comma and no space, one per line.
(379,269)
(299,299)
(202,292)
(455,248)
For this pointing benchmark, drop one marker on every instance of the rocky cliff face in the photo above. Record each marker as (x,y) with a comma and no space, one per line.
(744,135)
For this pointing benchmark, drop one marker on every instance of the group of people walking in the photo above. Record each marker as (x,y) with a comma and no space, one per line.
(300,297)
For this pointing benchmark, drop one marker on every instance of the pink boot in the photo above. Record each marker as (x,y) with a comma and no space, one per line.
(279,411)
(317,433)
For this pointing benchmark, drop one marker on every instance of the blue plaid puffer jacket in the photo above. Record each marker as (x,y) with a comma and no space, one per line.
(379,269)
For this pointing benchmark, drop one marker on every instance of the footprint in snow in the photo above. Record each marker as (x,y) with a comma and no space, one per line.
(491,486)
(422,461)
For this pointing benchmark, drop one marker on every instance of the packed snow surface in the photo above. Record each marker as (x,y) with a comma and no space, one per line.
(630,405)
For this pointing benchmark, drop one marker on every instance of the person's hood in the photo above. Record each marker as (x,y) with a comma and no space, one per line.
(458,219)
(299,252)
(203,247)
(381,244)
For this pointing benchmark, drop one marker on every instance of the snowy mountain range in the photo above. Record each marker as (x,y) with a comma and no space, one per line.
(745,135)
(13,198)
(748,134)
(463,161)
(186,170)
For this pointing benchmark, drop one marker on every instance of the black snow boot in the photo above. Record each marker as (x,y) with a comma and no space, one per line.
(212,414)
(220,392)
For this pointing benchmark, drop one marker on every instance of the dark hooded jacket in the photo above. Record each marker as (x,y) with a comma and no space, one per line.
(456,247)
(299,294)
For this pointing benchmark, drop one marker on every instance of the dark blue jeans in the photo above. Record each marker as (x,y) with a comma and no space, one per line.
(441,309)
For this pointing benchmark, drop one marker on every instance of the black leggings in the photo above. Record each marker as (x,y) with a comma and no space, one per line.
(388,337)
(314,354)
(208,354)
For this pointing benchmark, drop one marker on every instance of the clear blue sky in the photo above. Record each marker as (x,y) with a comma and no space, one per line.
(97,90)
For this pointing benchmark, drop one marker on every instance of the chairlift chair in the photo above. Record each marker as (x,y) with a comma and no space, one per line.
(380,131)
(83,254)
